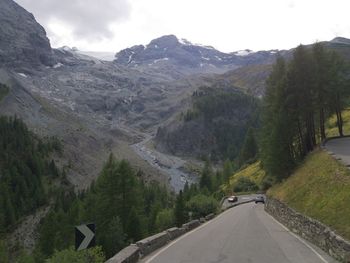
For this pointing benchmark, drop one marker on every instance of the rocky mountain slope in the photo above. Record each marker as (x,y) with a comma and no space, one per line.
(169,52)
(23,41)
(96,105)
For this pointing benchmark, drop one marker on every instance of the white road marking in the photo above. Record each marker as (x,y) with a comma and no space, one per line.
(185,235)
(301,240)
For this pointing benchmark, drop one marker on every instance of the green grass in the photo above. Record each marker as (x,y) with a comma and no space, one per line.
(331,124)
(253,172)
(4,90)
(319,188)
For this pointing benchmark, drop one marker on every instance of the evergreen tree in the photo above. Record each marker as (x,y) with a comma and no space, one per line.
(249,149)
(179,210)
(299,95)
(227,170)
(113,237)
(206,177)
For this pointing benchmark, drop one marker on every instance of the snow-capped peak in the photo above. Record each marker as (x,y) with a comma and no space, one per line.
(244,52)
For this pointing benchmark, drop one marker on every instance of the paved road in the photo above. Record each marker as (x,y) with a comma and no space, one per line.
(244,234)
(241,198)
(341,148)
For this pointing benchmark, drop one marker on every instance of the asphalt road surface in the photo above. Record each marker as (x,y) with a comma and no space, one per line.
(240,199)
(243,234)
(341,148)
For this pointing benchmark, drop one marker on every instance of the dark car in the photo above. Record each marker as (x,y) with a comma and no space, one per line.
(232,199)
(259,199)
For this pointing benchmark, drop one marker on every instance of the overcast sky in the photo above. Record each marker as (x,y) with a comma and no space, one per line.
(228,25)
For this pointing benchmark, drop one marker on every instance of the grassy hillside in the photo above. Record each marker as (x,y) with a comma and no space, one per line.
(319,188)
(253,172)
(331,125)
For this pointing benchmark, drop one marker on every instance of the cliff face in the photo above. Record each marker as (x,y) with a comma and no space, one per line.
(23,42)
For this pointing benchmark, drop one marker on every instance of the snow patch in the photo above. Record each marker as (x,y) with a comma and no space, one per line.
(130,56)
(243,53)
(218,58)
(203,46)
(205,58)
(158,60)
(22,75)
(58,65)
(161,59)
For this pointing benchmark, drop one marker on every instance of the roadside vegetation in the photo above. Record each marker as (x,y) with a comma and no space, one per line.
(249,179)
(300,95)
(331,124)
(319,188)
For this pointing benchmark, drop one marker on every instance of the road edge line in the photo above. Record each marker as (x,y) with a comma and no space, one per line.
(190,232)
(299,238)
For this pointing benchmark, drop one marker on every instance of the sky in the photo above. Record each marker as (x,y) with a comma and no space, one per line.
(227,25)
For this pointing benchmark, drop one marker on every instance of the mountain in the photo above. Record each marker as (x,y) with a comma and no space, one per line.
(23,41)
(214,125)
(188,58)
(340,40)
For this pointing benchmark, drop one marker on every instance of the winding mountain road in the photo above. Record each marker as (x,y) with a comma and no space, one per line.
(243,234)
(341,148)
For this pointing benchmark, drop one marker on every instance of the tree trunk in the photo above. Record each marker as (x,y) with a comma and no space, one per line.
(302,143)
(339,122)
(322,129)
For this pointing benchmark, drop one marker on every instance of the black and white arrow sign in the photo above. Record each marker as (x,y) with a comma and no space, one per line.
(84,236)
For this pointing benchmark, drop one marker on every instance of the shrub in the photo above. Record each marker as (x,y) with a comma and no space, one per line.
(245,185)
(165,219)
(201,205)
(92,255)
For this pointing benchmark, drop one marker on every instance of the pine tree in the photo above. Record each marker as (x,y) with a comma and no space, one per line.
(113,237)
(228,170)
(249,149)
(206,177)
(276,139)
(134,226)
(179,210)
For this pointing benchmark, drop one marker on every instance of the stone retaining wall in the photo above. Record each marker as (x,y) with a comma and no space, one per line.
(310,229)
(130,254)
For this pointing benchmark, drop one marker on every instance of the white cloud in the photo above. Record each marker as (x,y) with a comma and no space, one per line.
(228,25)
(89,20)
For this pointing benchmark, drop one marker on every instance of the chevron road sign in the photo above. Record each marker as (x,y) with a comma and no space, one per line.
(84,236)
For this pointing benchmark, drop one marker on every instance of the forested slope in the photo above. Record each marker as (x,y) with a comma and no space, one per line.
(215,125)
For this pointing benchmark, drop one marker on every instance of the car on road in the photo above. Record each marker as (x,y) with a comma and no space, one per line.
(232,199)
(259,199)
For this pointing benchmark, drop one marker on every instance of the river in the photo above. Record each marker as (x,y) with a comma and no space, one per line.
(169,165)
